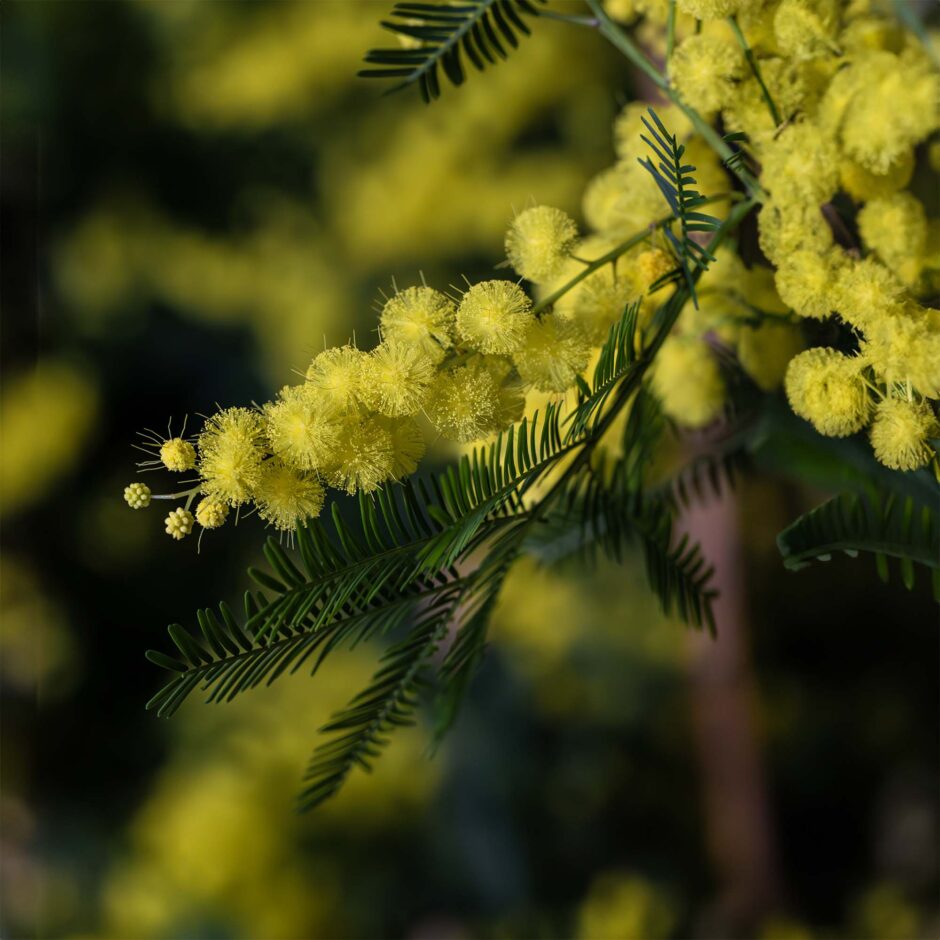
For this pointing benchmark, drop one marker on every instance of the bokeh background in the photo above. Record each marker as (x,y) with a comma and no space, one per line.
(195,197)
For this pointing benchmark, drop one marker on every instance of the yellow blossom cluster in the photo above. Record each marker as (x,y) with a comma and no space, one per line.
(455,365)
(451,365)
(837,165)
(838,98)
(813,90)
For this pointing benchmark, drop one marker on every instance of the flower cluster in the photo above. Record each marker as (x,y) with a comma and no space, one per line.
(839,97)
(455,366)
(812,89)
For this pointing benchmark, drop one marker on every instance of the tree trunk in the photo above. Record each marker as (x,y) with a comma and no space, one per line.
(739,827)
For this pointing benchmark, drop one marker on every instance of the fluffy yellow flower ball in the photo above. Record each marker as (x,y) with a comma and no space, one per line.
(231,448)
(179,523)
(493,316)
(651,265)
(686,377)
(801,165)
(601,198)
(178,455)
(621,10)
(861,184)
(901,431)
(787,226)
(704,69)
(211,513)
(363,456)
(866,291)
(539,241)
(806,279)
(714,9)
(870,33)
(895,227)
(420,316)
(889,104)
(302,426)
(286,497)
(827,389)
(553,353)
(621,200)
(904,349)
(407,445)
(805,28)
(337,374)
(464,402)
(396,377)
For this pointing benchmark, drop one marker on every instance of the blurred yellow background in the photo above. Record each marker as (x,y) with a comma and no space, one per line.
(198,196)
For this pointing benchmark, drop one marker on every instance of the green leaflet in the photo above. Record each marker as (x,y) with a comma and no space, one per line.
(676,183)
(882,524)
(441,33)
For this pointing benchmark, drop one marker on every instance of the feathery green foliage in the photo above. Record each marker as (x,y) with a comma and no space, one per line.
(438,33)
(360,731)
(676,183)
(882,524)
(617,357)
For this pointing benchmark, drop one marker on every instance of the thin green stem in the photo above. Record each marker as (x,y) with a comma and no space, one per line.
(755,69)
(189,493)
(593,266)
(671,30)
(619,39)
(617,251)
(565,18)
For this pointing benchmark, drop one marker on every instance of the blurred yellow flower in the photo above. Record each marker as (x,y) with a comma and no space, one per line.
(624,906)
(46,416)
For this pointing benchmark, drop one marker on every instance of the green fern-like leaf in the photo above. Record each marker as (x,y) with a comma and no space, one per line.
(439,34)
(360,731)
(709,474)
(466,652)
(677,570)
(605,512)
(737,160)
(617,358)
(675,181)
(224,673)
(884,525)
(491,483)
